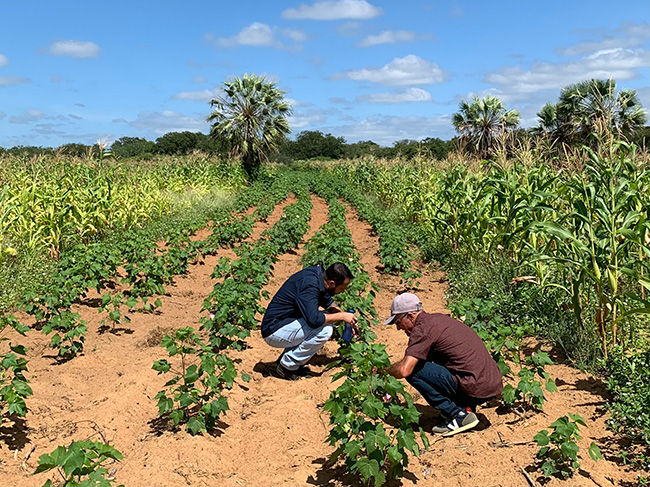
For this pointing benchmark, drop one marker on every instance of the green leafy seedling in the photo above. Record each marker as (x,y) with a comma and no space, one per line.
(559,449)
(82,463)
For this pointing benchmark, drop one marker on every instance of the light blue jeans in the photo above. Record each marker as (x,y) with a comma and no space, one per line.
(300,342)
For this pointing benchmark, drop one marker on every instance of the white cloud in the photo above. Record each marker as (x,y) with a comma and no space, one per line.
(629,35)
(621,64)
(338,100)
(385,130)
(333,10)
(201,95)
(311,117)
(256,34)
(295,35)
(388,37)
(406,96)
(4,60)
(2,115)
(28,117)
(298,103)
(77,49)
(409,70)
(349,29)
(13,80)
(49,129)
(199,79)
(259,34)
(457,12)
(160,123)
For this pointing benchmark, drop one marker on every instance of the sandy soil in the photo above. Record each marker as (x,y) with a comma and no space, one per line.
(275,430)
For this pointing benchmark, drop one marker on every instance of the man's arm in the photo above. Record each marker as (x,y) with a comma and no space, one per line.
(403,368)
(341,316)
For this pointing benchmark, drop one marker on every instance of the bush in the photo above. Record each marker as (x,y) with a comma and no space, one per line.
(559,449)
(629,383)
(547,314)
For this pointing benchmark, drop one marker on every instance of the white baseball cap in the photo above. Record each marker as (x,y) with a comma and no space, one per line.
(404,303)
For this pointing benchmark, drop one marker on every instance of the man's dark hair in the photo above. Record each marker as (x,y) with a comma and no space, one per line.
(338,272)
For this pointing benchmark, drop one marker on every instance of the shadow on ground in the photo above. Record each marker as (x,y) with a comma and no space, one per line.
(13,432)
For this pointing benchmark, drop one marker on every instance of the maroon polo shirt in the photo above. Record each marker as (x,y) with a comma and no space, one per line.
(451,343)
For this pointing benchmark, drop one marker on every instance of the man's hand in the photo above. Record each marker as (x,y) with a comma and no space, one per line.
(342,316)
(403,368)
(351,318)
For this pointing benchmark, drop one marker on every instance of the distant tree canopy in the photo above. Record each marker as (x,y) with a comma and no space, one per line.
(431,147)
(361,148)
(315,144)
(312,144)
(133,147)
(172,143)
(175,143)
(308,145)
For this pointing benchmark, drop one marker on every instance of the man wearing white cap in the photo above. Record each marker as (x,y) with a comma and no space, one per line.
(446,361)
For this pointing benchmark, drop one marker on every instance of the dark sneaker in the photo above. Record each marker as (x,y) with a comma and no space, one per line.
(286,374)
(304,372)
(464,420)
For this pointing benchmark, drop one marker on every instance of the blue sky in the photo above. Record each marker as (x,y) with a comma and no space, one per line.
(381,70)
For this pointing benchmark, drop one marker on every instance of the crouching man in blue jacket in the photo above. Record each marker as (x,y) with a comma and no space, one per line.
(294,321)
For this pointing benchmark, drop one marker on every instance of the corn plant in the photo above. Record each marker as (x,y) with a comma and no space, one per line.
(596,246)
(50,204)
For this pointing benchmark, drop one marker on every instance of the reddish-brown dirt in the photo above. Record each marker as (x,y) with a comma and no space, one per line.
(275,431)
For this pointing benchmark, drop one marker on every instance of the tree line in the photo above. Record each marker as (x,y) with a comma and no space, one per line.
(250,121)
(309,144)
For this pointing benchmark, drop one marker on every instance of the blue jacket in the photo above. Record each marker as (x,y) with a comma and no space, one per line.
(299,297)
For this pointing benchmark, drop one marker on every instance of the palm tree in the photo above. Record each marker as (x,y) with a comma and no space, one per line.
(252,116)
(483,120)
(584,108)
(548,122)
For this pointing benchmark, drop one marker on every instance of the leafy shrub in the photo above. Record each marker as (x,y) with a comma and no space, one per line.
(81,463)
(559,450)
(194,395)
(529,389)
(629,382)
(358,410)
(14,386)
(502,341)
